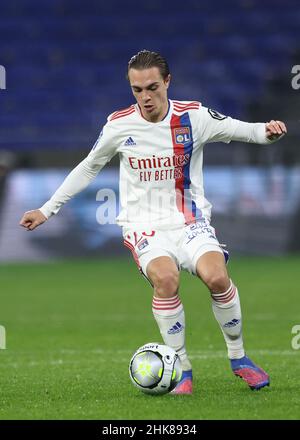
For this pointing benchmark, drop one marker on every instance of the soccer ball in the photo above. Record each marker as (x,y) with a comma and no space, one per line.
(155,368)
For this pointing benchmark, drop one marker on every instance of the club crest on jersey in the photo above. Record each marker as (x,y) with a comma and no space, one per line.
(182,135)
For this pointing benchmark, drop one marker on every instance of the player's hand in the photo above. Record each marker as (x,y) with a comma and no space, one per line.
(275,129)
(32,219)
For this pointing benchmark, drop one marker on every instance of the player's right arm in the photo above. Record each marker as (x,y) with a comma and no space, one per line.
(32,219)
(79,178)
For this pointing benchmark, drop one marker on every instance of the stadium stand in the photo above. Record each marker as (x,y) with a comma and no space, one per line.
(66,61)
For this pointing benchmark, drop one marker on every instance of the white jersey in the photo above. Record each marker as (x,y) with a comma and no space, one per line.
(161,179)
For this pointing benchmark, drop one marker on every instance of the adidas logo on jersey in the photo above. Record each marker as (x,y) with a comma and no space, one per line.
(175,329)
(129,142)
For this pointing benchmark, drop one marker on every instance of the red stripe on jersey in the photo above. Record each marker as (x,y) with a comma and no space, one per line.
(117,115)
(122,116)
(123,110)
(186,106)
(183,109)
(122,113)
(182,105)
(179,180)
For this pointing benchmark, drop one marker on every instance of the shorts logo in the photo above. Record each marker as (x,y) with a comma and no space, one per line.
(143,244)
(182,135)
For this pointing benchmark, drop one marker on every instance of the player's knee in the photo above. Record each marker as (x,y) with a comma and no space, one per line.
(166,284)
(217,282)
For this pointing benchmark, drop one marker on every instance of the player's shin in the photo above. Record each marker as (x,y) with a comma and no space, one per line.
(170,318)
(227,311)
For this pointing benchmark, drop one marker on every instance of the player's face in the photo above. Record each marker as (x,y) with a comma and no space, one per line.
(150,91)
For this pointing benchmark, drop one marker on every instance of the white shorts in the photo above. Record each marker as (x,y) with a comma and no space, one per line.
(184,245)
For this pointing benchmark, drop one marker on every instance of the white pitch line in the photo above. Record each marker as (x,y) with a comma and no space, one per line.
(193,355)
(209,354)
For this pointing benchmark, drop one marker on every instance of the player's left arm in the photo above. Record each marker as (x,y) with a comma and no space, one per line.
(216,127)
(257,132)
(275,130)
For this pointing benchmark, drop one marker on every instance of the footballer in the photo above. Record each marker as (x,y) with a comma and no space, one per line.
(165,217)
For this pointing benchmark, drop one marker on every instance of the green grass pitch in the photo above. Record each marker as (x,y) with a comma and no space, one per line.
(72,326)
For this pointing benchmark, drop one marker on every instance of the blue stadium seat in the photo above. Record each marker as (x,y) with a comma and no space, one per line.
(66,61)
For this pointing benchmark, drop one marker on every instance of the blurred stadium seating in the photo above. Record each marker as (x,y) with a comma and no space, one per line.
(66,60)
(66,64)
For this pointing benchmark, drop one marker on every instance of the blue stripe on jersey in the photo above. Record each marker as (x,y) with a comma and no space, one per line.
(188,149)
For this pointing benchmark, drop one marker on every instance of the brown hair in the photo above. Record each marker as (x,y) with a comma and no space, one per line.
(146,59)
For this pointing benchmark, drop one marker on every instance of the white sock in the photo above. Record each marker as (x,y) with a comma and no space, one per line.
(227,311)
(169,315)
